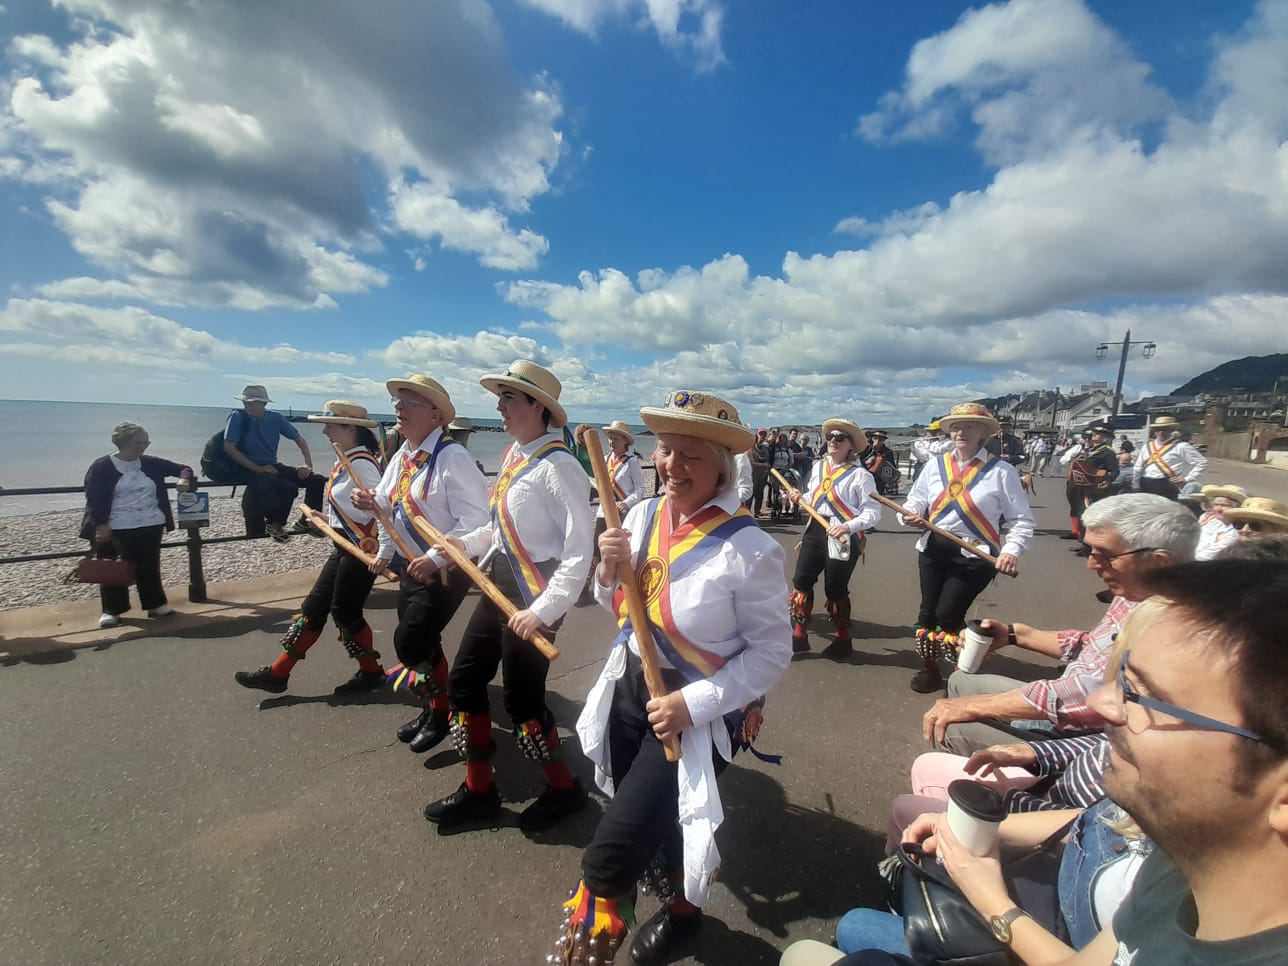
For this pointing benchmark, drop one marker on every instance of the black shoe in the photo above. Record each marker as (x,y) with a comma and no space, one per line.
(433,731)
(264,680)
(307,529)
(552,805)
(1068,536)
(362,681)
(463,806)
(800,645)
(658,938)
(277,532)
(408,731)
(839,649)
(927,681)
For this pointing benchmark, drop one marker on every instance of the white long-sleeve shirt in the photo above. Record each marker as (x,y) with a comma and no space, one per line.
(550,507)
(928,447)
(854,489)
(998,494)
(629,476)
(1181,458)
(339,489)
(746,487)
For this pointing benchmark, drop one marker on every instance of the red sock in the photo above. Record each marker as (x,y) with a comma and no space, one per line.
(440,703)
(478,763)
(281,668)
(368,662)
(680,906)
(1073,525)
(557,773)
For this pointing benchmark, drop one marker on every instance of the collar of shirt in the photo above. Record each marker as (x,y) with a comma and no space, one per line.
(428,443)
(527,449)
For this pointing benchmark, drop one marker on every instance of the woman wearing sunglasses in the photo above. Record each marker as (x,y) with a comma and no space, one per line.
(1257,515)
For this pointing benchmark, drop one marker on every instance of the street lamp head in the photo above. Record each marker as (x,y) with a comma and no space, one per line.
(1149,349)
(1102,351)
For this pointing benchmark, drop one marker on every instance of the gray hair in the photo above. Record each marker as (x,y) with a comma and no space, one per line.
(1147,520)
(727,482)
(124,431)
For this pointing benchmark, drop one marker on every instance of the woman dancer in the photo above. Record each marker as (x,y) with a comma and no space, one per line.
(713,585)
(968,493)
(841,489)
(342,587)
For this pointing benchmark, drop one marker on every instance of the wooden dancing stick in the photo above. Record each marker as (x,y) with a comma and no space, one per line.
(635,608)
(408,553)
(965,545)
(823,521)
(341,541)
(493,593)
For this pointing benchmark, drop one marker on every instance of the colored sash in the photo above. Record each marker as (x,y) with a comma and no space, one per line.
(1156,458)
(825,494)
(614,464)
(364,535)
(530,580)
(666,556)
(413,477)
(956,498)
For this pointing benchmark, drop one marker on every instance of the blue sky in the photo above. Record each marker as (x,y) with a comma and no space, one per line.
(851,207)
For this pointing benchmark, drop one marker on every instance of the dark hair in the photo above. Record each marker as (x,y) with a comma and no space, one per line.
(546,415)
(1239,600)
(367,439)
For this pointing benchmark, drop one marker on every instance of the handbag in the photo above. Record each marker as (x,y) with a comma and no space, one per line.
(940,925)
(105,571)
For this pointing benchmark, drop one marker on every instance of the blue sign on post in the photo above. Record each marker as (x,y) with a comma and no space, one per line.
(194,509)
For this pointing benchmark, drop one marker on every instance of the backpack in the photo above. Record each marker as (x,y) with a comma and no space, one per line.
(215,463)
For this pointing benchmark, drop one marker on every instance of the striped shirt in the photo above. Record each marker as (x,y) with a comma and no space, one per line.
(1077,766)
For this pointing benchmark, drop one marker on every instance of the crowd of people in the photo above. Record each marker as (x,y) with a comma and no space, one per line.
(1178,687)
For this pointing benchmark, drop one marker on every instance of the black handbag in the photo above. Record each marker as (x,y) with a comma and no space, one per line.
(940,925)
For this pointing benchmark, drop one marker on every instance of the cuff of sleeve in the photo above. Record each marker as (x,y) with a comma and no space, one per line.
(542,609)
(700,699)
(439,558)
(1014,549)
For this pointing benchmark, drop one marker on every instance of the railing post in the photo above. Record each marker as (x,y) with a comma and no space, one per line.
(196,575)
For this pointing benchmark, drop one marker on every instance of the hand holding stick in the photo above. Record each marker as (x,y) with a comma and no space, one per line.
(965,545)
(823,521)
(471,570)
(341,541)
(635,608)
(408,553)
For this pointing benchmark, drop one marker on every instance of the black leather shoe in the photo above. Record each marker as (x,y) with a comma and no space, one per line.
(658,938)
(262,680)
(463,807)
(927,681)
(800,645)
(429,734)
(362,681)
(552,805)
(408,731)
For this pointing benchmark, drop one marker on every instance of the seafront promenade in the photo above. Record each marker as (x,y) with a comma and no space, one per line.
(158,813)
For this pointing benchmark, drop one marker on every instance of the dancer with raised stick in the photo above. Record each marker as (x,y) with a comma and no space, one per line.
(429,476)
(841,509)
(713,586)
(342,587)
(968,493)
(539,540)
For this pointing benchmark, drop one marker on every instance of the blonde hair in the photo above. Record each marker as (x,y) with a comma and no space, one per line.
(124,431)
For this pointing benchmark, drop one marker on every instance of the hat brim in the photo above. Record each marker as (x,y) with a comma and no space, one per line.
(1211,492)
(251,399)
(494,385)
(1240,515)
(946,423)
(345,421)
(394,386)
(732,436)
(610,430)
(852,430)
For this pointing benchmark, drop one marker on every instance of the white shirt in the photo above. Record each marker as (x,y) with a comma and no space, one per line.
(455,501)
(629,477)
(746,488)
(1075,451)
(930,446)
(550,507)
(998,494)
(731,604)
(1183,460)
(854,489)
(1215,534)
(134,501)
(339,489)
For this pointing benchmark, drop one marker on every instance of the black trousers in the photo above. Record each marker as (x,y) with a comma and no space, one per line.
(759,481)
(424,611)
(950,583)
(141,547)
(642,818)
(1156,484)
(341,590)
(813,560)
(268,498)
(488,644)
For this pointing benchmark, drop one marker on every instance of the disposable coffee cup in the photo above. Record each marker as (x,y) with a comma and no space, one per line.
(974,813)
(975,645)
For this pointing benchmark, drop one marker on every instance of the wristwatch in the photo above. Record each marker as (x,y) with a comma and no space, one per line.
(1010,636)
(1001,925)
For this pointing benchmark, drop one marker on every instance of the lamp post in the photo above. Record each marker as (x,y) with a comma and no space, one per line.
(1102,351)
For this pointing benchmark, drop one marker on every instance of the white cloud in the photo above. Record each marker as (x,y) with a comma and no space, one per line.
(428,213)
(691,27)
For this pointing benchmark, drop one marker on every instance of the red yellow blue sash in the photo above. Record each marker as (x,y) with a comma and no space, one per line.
(956,498)
(365,535)
(825,494)
(413,478)
(1156,458)
(614,464)
(515,466)
(665,556)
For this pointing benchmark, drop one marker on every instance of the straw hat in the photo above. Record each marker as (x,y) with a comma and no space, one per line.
(969,412)
(1164,422)
(528,377)
(1260,508)
(461,424)
(426,388)
(254,394)
(344,413)
(1236,493)
(850,429)
(700,414)
(621,429)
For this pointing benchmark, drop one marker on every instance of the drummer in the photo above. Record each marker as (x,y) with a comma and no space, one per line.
(968,493)
(840,488)
(342,587)
(713,586)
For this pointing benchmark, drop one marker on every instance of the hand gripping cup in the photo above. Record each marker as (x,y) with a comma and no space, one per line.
(974,813)
(975,644)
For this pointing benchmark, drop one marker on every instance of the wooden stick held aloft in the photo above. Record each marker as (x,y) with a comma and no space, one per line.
(964,544)
(635,607)
(341,541)
(408,553)
(823,521)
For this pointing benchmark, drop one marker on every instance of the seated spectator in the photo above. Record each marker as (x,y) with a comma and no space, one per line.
(126,511)
(1258,515)
(1215,531)
(1128,536)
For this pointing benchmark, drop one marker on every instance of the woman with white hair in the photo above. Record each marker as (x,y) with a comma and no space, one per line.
(712,583)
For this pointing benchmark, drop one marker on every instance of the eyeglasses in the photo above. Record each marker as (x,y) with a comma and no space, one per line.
(1201,721)
(1107,557)
(837,438)
(411,401)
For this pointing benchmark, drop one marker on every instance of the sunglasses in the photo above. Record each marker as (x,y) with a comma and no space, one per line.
(1255,526)
(1107,557)
(1200,721)
(837,438)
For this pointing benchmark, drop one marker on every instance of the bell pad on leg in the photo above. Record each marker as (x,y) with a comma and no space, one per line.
(354,649)
(292,637)
(534,741)
(593,928)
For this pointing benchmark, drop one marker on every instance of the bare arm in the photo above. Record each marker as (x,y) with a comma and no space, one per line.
(303,444)
(946,711)
(1040,642)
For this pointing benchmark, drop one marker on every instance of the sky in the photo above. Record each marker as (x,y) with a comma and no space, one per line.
(842,207)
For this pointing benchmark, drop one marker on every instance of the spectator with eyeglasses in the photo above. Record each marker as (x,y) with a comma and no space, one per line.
(1127,538)
(1258,515)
